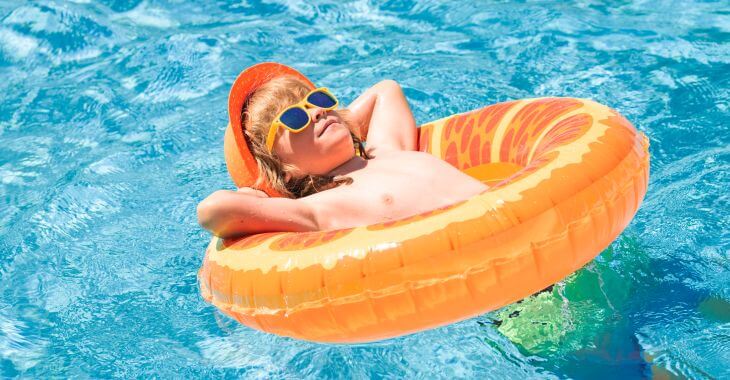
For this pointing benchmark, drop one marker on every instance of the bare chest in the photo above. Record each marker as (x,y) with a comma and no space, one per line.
(396,186)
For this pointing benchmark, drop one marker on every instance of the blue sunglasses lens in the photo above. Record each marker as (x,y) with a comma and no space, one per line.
(321,99)
(295,118)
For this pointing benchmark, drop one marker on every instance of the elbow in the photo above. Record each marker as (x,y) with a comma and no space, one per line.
(389,84)
(214,214)
(390,88)
(205,211)
(210,212)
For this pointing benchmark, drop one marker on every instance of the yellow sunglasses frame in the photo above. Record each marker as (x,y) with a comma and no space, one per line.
(303,104)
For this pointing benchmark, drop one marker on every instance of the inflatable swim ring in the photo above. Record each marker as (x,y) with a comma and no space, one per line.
(566,176)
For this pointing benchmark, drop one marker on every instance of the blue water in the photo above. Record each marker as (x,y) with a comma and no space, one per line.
(111,122)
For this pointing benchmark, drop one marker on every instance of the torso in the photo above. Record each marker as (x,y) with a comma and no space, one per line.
(391,186)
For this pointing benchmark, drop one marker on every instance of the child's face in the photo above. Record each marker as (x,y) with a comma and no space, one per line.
(318,149)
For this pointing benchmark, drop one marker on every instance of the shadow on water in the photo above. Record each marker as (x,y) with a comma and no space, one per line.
(588,325)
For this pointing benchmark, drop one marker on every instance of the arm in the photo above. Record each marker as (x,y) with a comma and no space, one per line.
(229,213)
(383,115)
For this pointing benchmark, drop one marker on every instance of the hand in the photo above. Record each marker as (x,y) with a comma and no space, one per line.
(358,124)
(252,191)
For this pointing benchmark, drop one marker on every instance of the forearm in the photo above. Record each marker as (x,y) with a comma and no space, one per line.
(384,92)
(228,214)
(385,117)
(361,111)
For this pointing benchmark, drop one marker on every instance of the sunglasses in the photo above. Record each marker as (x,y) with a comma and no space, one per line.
(296,118)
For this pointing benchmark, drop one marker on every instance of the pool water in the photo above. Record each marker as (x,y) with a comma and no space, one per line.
(111,122)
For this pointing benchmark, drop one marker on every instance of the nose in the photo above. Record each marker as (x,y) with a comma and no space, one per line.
(316,114)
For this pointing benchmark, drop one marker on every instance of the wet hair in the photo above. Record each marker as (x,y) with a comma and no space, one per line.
(259,111)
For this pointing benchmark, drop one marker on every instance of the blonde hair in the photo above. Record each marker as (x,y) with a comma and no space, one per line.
(259,111)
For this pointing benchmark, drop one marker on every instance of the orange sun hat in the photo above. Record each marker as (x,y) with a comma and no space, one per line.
(240,162)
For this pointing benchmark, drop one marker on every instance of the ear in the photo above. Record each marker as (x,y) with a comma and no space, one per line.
(287,177)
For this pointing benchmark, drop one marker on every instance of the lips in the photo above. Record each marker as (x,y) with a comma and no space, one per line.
(325,126)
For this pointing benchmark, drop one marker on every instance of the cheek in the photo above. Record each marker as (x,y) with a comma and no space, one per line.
(302,143)
(297,149)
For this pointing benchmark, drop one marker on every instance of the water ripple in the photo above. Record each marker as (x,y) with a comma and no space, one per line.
(111,127)
(19,347)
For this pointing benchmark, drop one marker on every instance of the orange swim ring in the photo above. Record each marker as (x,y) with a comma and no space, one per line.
(566,176)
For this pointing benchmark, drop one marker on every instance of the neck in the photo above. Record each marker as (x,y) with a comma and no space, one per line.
(349,166)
